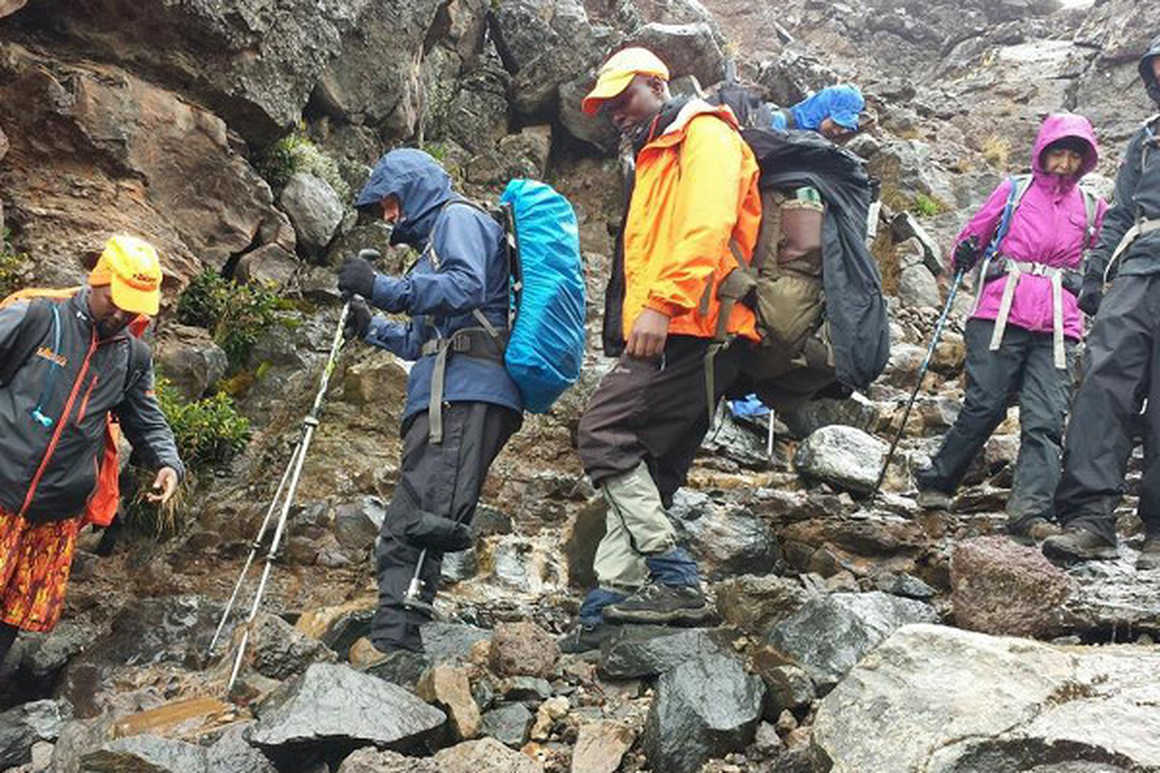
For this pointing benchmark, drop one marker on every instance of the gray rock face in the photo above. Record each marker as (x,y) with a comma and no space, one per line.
(267,266)
(724,539)
(190,359)
(233,754)
(755,603)
(1112,595)
(477,116)
(449,641)
(145,752)
(255,68)
(941,699)
(646,650)
(830,634)
(357,523)
(1002,588)
(336,704)
(842,456)
(508,724)
(917,288)
(24,725)
(596,130)
(279,651)
(314,209)
(704,708)
(686,49)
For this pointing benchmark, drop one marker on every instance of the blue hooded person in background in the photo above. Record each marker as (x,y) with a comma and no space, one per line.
(832,112)
(461,405)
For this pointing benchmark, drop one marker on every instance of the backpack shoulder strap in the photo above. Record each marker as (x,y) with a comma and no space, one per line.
(138,361)
(1020,184)
(1091,209)
(37,322)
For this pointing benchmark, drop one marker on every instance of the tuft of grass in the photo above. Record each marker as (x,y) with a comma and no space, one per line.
(997,151)
(928,206)
(209,433)
(294,153)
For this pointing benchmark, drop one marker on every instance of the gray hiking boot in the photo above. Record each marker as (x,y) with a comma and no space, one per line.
(658,603)
(1076,544)
(1031,530)
(1149,557)
(933,499)
(586,636)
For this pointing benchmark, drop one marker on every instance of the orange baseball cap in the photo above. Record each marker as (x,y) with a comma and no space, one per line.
(133,270)
(616,73)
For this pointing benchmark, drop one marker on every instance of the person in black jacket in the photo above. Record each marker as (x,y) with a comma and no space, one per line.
(1122,361)
(66,364)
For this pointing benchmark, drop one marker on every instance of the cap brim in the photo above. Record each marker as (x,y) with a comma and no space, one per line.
(607,86)
(137,301)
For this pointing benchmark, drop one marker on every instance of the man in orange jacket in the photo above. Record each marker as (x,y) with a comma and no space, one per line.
(694,204)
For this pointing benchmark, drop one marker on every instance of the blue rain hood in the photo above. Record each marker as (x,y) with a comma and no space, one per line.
(421,185)
(842,103)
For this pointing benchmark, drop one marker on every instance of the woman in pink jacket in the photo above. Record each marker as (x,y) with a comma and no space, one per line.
(1022,333)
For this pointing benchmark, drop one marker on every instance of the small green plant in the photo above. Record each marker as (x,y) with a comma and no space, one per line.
(297,153)
(927,206)
(13,266)
(235,314)
(209,433)
(437,150)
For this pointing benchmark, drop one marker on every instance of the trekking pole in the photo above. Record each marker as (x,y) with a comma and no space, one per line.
(921,372)
(411,599)
(292,474)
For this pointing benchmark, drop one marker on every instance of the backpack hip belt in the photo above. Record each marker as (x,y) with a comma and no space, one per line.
(1014,270)
(486,342)
(1139,228)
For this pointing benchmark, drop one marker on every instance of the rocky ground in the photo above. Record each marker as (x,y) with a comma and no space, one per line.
(851,633)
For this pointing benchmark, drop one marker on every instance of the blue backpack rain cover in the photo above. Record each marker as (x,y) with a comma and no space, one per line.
(546,347)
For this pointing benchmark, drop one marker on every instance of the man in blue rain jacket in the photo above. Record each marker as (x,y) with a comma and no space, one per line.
(462,406)
(833,112)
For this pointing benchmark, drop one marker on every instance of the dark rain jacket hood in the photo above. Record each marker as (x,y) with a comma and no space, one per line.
(422,187)
(1147,73)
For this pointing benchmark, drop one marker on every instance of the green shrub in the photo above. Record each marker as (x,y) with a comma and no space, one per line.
(209,432)
(13,267)
(297,153)
(235,314)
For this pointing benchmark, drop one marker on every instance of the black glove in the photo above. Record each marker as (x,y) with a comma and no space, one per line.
(1090,296)
(966,255)
(358,320)
(356,277)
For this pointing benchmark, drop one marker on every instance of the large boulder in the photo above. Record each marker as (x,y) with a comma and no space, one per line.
(637,651)
(523,648)
(724,539)
(314,209)
(999,587)
(704,708)
(754,603)
(686,49)
(121,157)
(845,457)
(334,705)
(190,359)
(941,699)
(830,634)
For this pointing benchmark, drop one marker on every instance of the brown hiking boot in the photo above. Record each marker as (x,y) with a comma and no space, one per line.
(1031,530)
(1149,557)
(1076,544)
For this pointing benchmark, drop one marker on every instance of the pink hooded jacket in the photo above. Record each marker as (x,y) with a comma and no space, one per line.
(1048,227)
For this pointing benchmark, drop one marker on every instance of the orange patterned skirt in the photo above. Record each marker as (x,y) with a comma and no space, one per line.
(35,559)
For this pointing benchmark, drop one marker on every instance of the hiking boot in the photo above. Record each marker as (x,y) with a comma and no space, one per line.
(933,499)
(586,636)
(1149,557)
(658,603)
(364,655)
(1077,544)
(1027,531)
